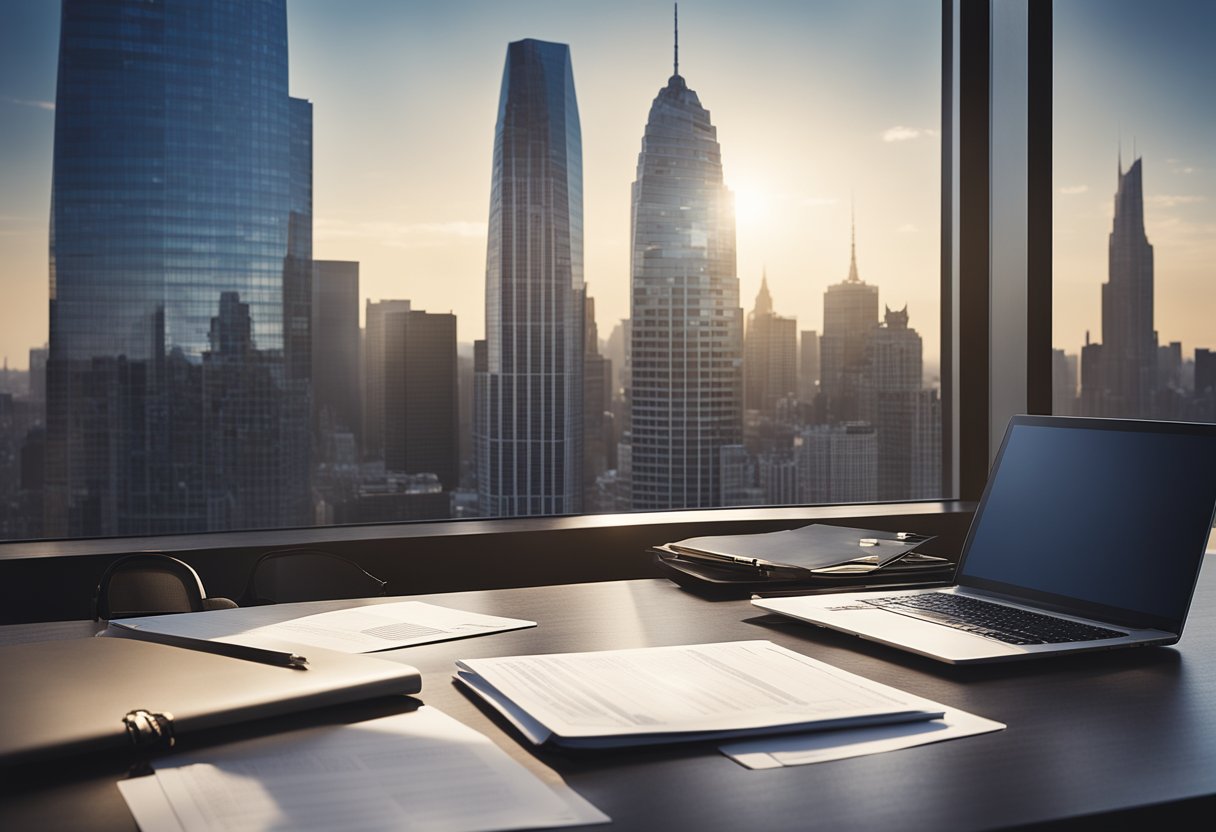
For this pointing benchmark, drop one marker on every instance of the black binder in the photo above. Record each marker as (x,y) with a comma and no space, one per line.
(825,557)
(96,694)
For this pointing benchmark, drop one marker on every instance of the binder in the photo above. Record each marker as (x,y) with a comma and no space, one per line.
(816,556)
(111,694)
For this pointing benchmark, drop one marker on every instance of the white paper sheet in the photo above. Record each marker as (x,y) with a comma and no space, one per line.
(421,770)
(662,694)
(361,629)
(803,749)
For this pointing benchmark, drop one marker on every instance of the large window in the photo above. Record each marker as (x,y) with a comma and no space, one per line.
(315,263)
(1134,209)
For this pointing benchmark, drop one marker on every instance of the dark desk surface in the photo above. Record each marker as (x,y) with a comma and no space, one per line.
(1086,735)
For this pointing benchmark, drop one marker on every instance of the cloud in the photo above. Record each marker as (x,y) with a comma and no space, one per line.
(400,235)
(900,133)
(907,228)
(1070,190)
(1174,200)
(41,105)
(1178,166)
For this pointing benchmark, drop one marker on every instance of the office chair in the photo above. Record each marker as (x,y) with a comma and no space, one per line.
(308,575)
(151,583)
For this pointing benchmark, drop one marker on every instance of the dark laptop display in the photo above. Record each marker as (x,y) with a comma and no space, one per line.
(1119,528)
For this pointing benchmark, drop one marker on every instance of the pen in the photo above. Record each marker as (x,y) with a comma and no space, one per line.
(222,648)
(256,654)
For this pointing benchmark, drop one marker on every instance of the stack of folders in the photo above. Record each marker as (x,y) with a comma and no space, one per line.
(699,692)
(815,555)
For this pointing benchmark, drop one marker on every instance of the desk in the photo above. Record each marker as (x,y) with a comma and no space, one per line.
(1091,734)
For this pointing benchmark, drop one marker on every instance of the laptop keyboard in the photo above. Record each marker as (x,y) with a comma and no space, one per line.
(1011,625)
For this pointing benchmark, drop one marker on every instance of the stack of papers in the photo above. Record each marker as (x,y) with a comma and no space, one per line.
(673,694)
(361,629)
(420,770)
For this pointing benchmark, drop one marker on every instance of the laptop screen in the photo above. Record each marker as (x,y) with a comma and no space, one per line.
(1113,514)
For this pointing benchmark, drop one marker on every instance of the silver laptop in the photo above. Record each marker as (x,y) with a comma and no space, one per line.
(1089,536)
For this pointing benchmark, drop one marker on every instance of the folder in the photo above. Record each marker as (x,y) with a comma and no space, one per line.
(816,556)
(109,694)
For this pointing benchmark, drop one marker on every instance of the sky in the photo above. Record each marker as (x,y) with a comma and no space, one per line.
(1140,76)
(822,109)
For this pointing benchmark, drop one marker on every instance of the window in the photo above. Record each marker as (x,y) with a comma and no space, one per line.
(1134,210)
(425,268)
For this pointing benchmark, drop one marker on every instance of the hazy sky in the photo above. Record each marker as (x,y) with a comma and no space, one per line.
(818,105)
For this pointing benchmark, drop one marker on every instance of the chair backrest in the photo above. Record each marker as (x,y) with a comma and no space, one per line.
(292,575)
(147,583)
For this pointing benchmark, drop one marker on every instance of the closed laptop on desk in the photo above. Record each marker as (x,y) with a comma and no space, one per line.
(1089,536)
(76,696)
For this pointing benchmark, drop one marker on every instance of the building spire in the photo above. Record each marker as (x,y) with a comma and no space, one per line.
(676,29)
(853,278)
(764,300)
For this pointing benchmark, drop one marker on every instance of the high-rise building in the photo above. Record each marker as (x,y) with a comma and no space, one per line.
(837,463)
(890,397)
(335,347)
(375,348)
(597,400)
(686,345)
(850,313)
(1128,376)
(770,355)
(1063,383)
(530,440)
(180,272)
(420,398)
(808,365)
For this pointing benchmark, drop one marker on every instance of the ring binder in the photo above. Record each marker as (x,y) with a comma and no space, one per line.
(150,731)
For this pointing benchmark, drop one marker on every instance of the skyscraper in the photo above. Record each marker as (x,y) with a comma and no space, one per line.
(375,349)
(597,399)
(1125,384)
(890,399)
(180,271)
(530,437)
(420,395)
(850,313)
(686,397)
(808,365)
(335,346)
(770,355)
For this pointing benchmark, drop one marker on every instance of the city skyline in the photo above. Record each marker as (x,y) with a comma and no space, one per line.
(418,228)
(1158,71)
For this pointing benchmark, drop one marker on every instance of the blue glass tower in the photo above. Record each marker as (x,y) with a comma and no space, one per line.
(180,292)
(529,394)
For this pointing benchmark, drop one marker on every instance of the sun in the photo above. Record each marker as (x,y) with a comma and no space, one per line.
(751,206)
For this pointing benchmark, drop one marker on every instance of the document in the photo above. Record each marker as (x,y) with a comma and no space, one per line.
(416,771)
(359,629)
(802,749)
(668,694)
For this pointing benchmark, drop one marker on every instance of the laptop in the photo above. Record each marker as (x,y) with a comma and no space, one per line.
(1089,536)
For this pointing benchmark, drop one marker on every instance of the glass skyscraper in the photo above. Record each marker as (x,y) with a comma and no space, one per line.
(1119,377)
(529,389)
(686,344)
(180,279)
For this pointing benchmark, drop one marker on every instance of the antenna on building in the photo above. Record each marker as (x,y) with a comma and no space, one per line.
(676,62)
(853,278)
